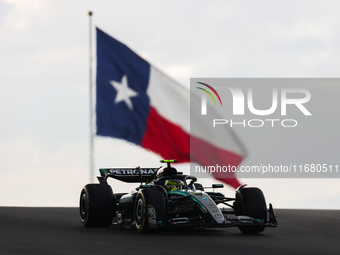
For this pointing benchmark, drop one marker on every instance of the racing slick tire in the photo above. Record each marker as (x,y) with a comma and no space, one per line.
(97,205)
(253,205)
(145,198)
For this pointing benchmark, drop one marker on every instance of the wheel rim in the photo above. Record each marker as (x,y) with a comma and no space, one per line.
(139,212)
(83,207)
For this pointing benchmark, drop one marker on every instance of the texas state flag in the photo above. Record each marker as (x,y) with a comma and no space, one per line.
(137,102)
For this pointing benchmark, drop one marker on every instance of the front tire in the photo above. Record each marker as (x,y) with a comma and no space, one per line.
(253,204)
(155,199)
(140,213)
(97,205)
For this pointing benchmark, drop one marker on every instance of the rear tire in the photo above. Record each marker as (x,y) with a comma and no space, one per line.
(97,205)
(253,205)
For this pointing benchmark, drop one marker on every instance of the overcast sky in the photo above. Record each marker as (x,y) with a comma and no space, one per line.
(44,98)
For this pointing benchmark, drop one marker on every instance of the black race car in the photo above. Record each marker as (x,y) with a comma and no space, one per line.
(167,198)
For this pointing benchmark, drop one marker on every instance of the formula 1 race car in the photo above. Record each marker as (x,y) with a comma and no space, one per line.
(167,198)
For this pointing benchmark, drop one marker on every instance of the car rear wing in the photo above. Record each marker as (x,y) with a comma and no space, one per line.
(128,174)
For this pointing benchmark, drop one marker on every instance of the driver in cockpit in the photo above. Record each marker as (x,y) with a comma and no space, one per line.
(172,185)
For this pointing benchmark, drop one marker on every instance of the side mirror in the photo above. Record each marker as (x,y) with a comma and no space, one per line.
(216,186)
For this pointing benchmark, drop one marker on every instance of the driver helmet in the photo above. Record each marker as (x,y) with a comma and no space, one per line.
(172,185)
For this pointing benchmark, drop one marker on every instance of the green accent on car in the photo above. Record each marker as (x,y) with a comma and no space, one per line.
(197,201)
(168,161)
(178,192)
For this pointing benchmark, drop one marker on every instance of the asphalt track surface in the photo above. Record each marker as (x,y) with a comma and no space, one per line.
(59,231)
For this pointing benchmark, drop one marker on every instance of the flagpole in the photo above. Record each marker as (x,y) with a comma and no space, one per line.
(91,166)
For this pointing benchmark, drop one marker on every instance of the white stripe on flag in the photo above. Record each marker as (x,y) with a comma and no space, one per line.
(172,101)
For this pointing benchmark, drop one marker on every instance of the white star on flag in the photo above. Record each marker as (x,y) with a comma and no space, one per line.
(124,93)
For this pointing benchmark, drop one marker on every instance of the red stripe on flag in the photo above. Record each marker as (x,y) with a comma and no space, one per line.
(172,142)
(166,138)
